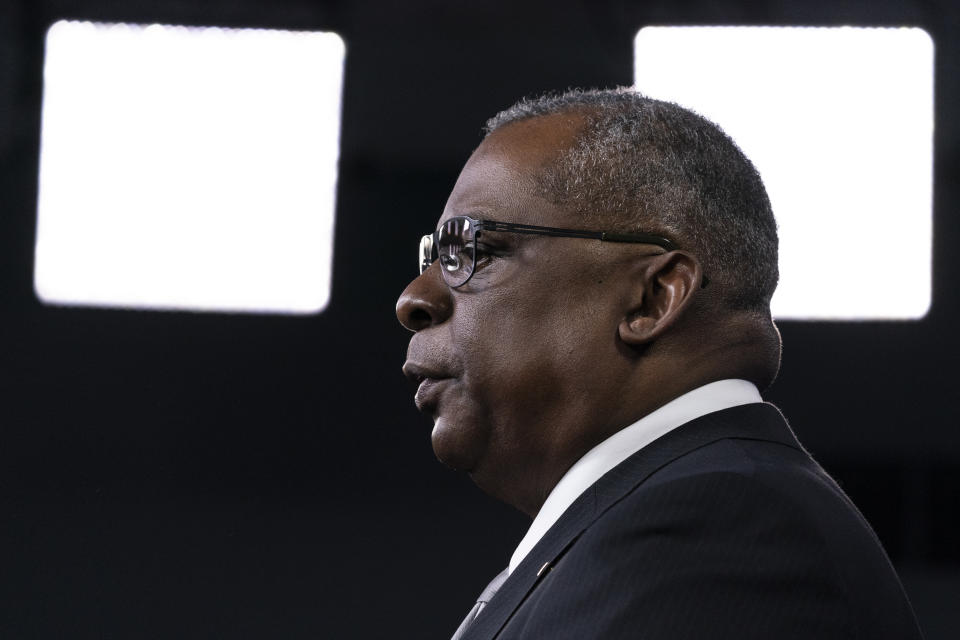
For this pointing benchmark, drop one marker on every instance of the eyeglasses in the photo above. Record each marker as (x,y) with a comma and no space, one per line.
(455,243)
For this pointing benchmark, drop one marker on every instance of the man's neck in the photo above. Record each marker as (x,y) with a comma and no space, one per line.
(708,398)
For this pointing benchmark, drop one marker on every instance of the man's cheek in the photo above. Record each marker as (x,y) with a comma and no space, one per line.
(527,382)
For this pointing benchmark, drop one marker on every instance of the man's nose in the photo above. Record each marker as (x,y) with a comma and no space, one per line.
(425,302)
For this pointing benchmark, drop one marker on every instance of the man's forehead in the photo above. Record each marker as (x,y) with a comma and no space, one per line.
(534,141)
(502,174)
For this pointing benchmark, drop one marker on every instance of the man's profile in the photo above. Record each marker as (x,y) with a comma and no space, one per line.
(591,328)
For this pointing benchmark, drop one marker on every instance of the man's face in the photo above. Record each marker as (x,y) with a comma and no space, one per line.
(519,365)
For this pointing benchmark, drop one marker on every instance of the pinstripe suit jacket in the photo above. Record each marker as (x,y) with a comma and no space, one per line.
(723,528)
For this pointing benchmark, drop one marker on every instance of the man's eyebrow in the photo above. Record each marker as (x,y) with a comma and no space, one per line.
(477,214)
(500,237)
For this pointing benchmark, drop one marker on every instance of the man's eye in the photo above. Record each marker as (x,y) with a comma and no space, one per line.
(482,253)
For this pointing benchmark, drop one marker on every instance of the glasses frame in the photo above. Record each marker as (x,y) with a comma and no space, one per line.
(429,241)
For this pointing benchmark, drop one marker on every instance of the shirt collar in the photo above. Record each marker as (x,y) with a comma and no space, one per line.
(709,398)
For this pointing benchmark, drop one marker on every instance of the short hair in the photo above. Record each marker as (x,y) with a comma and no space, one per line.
(639,164)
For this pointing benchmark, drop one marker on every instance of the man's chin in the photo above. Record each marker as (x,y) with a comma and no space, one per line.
(455,446)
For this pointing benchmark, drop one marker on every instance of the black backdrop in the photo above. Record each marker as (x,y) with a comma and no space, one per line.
(211,475)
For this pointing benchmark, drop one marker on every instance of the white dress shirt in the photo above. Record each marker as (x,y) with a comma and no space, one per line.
(715,396)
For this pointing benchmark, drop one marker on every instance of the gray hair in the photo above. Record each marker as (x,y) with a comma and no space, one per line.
(640,164)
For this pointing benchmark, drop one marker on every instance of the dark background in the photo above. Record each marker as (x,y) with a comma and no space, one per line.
(210,475)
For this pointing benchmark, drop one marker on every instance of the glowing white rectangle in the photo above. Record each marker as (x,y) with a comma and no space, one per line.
(839,122)
(188,168)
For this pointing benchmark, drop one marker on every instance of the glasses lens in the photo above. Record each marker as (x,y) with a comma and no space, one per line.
(455,242)
(426,252)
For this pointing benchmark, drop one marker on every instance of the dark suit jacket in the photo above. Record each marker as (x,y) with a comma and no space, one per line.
(723,528)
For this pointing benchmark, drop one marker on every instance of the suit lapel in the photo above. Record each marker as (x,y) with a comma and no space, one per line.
(752,421)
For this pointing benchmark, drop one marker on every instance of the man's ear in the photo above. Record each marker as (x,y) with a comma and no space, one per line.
(665,289)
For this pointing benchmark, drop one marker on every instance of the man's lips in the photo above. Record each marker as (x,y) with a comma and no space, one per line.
(431,383)
(428,394)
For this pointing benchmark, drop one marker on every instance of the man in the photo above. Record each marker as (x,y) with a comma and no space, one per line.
(591,325)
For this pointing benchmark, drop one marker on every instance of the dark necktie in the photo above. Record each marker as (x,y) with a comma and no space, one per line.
(482,601)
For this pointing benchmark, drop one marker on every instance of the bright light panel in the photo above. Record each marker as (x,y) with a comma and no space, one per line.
(839,122)
(188,168)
